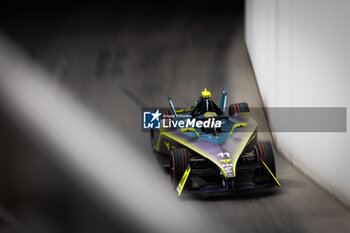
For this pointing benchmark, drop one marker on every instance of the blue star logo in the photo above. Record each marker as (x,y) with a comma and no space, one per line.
(151,120)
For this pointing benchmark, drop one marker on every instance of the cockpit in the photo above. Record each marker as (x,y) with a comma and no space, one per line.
(206,106)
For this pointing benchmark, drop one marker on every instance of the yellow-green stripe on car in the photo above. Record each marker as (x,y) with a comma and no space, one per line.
(251,139)
(184,110)
(183,180)
(270,173)
(237,125)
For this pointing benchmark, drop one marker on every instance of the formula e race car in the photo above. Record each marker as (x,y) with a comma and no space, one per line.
(207,150)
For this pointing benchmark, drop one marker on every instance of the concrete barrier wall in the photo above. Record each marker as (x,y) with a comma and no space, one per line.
(300,53)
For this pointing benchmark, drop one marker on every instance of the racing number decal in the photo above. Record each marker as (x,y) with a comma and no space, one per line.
(227,166)
(222,155)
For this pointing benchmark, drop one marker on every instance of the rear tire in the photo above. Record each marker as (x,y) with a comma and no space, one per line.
(263,151)
(178,163)
(166,112)
(237,108)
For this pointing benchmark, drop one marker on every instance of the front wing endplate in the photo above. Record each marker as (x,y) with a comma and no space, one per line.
(183,180)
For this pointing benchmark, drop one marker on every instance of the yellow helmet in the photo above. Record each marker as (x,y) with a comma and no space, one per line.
(206,93)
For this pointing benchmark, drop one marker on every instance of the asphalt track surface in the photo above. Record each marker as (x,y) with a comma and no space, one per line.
(115,66)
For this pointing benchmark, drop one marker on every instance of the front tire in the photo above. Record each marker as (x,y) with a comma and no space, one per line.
(263,151)
(178,164)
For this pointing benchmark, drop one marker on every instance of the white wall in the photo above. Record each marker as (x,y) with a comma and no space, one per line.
(300,53)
